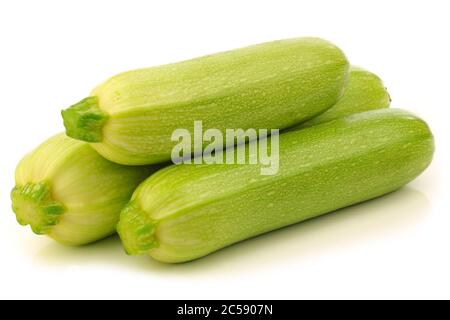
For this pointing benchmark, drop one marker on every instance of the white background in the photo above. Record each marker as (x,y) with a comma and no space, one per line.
(52,53)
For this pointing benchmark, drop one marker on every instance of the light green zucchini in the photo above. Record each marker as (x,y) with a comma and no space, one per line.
(184,212)
(65,190)
(365,91)
(129,119)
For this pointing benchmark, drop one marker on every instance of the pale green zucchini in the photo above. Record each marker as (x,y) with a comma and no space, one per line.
(365,91)
(65,190)
(184,212)
(130,118)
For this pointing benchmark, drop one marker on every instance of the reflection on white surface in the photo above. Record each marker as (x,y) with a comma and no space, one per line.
(357,225)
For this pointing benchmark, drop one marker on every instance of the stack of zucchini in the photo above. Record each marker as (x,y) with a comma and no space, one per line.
(340,144)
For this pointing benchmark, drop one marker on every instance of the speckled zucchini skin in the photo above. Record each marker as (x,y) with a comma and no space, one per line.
(365,91)
(130,118)
(65,190)
(188,211)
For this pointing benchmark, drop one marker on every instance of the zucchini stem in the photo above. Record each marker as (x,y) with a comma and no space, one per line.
(137,231)
(34,206)
(84,120)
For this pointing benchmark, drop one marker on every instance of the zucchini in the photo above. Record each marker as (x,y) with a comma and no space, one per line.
(185,212)
(129,119)
(65,190)
(365,91)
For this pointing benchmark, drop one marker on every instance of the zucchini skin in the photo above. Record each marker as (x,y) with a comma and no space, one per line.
(65,190)
(185,212)
(129,119)
(365,91)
